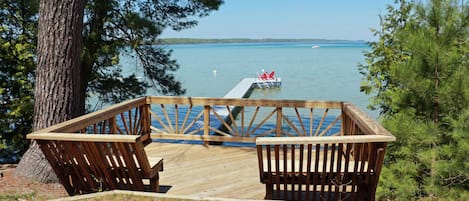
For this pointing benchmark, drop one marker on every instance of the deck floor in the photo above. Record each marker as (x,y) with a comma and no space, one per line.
(208,171)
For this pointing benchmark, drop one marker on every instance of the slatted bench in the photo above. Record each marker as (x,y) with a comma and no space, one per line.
(320,168)
(87,163)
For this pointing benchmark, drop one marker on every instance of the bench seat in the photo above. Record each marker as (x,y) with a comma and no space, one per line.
(313,168)
(88,163)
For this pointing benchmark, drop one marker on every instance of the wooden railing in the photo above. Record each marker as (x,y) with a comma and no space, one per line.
(226,120)
(339,132)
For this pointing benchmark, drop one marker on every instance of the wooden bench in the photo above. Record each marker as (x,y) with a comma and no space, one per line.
(87,163)
(320,168)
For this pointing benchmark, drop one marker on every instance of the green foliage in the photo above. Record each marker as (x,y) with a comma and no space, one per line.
(453,164)
(131,28)
(111,29)
(18,24)
(417,73)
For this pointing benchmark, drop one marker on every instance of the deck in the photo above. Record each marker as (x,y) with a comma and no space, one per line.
(208,171)
(205,171)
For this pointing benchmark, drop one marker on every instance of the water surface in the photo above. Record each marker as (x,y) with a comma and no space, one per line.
(326,73)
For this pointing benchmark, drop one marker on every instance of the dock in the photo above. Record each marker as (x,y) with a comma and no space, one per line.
(242,90)
(245,87)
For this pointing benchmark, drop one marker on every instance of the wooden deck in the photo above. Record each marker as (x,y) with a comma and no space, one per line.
(208,171)
(215,171)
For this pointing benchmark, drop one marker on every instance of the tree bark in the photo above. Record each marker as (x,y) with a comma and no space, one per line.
(58,77)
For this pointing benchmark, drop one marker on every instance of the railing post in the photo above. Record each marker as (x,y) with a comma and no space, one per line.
(279,122)
(113,125)
(145,122)
(206,122)
(176,118)
(345,124)
(146,118)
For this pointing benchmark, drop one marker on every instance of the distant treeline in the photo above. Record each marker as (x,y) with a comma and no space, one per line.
(242,40)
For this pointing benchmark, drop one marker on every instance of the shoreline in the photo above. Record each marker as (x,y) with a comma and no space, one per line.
(172,41)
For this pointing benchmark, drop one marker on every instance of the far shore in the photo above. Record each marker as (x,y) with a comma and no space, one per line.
(247,40)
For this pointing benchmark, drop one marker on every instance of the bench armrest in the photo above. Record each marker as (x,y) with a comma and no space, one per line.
(156,165)
(83,137)
(323,139)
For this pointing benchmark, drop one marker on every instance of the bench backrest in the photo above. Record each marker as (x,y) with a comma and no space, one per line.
(86,163)
(306,168)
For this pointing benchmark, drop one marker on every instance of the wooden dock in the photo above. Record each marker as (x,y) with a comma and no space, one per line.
(208,171)
(244,88)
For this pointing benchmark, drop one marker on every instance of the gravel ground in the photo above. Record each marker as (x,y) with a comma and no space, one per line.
(13,187)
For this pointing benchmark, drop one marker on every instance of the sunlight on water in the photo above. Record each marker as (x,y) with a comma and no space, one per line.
(326,73)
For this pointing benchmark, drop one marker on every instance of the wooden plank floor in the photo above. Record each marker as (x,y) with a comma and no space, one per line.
(208,171)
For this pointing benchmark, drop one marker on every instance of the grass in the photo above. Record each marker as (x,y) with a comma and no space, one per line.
(14,196)
(90,197)
(129,197)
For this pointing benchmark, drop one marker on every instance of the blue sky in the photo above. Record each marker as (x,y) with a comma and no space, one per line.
(337,19)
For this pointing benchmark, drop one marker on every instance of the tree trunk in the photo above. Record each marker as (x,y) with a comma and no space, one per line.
(58,77)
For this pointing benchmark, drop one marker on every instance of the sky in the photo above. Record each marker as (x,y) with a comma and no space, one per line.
(318,19)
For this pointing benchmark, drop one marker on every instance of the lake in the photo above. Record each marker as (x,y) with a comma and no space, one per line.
(329,72)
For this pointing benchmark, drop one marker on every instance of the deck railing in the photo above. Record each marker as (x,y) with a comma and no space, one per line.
(227,120)
(337,129)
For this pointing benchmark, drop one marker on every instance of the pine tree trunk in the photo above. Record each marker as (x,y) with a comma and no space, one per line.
(58,77)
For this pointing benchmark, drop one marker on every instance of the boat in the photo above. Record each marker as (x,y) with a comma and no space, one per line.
(315,46)
(266,80)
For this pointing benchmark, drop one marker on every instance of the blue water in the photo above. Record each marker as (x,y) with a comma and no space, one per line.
(326,73)
(195,122)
